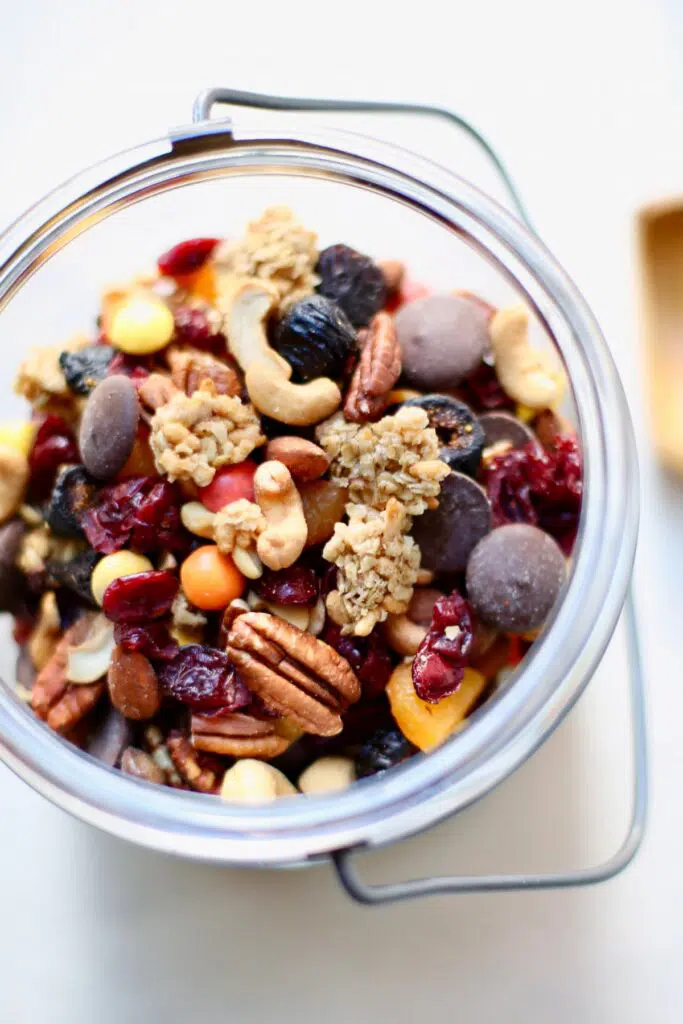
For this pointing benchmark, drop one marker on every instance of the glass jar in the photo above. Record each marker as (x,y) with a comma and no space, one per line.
(111,221)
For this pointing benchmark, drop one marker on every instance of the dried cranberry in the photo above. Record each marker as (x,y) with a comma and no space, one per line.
(539,486)
(296,585)
(369,657)
(151,639)
(204,678)
(186,257)
(129,366)
(483,390)
(193,327)
(54,445)
(141,512)
(140,597)
(439,664)
(353,281)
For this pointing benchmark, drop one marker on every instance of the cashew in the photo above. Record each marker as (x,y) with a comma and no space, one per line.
(90,660)
(299,405)
(528,376)
(296,615)
(402,635)
(317,618)
(327,775)
(249,303)
(253,782)
(285,535)
(197,519)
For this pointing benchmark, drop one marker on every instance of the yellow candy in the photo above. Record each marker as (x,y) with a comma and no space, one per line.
(140,324)
(113,567)
(427,725)
(19,435)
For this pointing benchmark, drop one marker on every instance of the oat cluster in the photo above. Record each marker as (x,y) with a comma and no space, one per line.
(238,525)
(397,457)
(278,248)
(40,379)
(192,435)
(377,565)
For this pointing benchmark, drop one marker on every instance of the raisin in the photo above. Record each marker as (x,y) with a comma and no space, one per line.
(539,486)
(439,664)
(457,428)
(76,574)
(203,677)
(151,639)
(84,369)
(385,748)
(353,281)
(71,496)
(297,585)
(140,597)
(186,257)
(316,339)
(141,512)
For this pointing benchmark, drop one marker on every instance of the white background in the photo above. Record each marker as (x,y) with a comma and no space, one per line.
(586,102)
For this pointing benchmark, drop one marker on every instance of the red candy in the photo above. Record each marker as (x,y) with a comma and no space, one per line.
(229,484)
(439,664)
(138,598)
(186,257)
(141,512)
(204,678)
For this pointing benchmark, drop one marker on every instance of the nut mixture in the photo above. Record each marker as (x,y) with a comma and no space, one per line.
(285,518)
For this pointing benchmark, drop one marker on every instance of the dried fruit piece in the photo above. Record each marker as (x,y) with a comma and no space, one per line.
(297,585)
(353,281)
(386,747)
(150,638)
(113,567)
(186,257)
(133,686)
(203,677)
(54,445)
(140,597)
(85,368)
(482,390)
(457,427)
(428,725)
(71,497)
(316,339)
(323,503)
(439,665)
(198,328)
(368,656)
(142,513)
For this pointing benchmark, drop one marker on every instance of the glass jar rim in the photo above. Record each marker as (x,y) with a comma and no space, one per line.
(515,721)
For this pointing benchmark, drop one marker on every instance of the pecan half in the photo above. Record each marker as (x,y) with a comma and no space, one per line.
(189,367)
(293,672)
(59,703)
(156,390)
(379,367)
(201,772)
(237,735)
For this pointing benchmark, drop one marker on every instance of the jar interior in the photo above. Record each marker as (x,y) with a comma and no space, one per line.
(61,297)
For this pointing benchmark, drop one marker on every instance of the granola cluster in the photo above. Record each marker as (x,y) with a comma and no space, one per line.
(397,457)
(377,565)
(40,379)
(276,247)
(192,435)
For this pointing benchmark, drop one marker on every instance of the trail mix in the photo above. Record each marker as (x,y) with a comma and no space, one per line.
(283,518)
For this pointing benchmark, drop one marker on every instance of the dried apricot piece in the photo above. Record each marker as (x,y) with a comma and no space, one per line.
(428,725)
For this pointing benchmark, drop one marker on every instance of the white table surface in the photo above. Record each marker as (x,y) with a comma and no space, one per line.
(586,104)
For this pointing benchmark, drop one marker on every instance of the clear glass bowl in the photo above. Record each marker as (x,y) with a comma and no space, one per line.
(109,223)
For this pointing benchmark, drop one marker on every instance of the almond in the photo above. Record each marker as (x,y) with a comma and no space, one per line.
(134,689)
(303,459)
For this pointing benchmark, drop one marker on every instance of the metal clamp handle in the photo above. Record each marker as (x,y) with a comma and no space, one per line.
(348,876)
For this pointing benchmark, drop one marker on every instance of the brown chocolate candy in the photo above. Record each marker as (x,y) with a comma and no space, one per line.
(446,535)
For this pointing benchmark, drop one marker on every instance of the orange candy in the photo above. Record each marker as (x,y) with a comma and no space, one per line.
(210,580)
